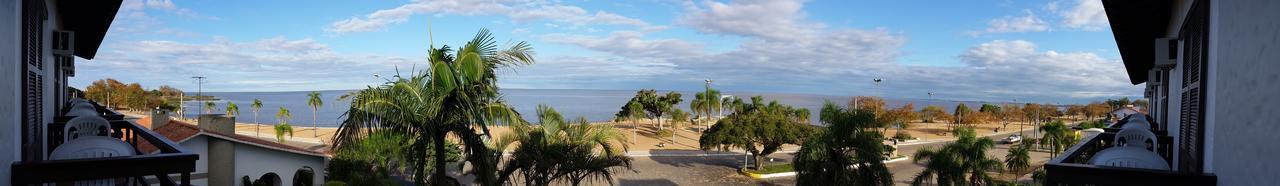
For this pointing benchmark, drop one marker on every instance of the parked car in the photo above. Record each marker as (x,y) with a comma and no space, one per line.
(1011,139)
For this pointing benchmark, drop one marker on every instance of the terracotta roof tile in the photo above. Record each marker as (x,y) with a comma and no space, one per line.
(178,131)
(175,131)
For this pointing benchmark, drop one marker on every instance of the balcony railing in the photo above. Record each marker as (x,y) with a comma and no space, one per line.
(1072,167)
(171,159)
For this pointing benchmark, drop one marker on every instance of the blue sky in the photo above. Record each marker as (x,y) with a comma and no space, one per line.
(1047,51)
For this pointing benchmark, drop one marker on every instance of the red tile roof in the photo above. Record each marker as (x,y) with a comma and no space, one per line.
(179,131)
(175,131)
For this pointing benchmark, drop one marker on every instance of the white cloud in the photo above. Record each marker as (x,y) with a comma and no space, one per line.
(1017,68)
(1027,23)
(768,19)
(272,64)
(628,44)
(517,10)
(1083,14)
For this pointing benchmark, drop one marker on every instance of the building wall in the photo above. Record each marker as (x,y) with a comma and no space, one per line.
(200,146)
(10,109)
(282,163)
(1245,49)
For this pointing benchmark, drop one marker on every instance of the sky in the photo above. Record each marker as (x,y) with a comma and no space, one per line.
(1052,51)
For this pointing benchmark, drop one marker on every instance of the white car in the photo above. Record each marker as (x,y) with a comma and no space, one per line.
(1011,139)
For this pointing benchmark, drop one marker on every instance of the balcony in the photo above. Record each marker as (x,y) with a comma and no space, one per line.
(1072,167)
(142,169)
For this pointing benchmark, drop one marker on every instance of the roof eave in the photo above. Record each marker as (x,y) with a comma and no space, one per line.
(1136,24)
(89,19)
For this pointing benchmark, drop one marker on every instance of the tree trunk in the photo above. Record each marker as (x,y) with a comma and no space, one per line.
(438,177)
(759,161)
(315,129)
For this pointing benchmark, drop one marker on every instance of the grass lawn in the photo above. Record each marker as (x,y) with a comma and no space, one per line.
(770,169)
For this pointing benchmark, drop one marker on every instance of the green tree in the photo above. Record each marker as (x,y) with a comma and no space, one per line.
(657,106)
(759,129)
(678,117)
(314,101)
(960,112)
(846,151)
(1056,135)
(560,150)
(989,108)
(256,106)
(232,109)
(963,162)
(633,111)
(209,106)
(282,128)
(457,95)
(1018,159)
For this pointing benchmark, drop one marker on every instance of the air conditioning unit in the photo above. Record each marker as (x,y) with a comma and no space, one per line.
(64,42)
(1166,50)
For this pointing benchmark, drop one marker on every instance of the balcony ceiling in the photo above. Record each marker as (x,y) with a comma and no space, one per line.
(1136,24)
(90,20)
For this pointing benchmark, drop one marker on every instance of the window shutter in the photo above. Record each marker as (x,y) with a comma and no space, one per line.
(34,14)
(1191,142)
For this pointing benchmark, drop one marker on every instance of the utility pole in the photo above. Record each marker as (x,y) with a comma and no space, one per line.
(199,89)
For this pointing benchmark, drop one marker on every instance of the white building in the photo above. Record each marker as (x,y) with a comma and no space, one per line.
(226,157)
(1212,70)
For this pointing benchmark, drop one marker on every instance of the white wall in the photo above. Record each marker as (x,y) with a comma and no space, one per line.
(200,146)
(1245,51)
(254,161)
(10,109)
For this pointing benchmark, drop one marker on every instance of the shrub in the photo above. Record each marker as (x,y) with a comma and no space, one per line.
(902,135)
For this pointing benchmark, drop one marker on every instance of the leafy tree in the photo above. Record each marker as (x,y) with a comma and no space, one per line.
(989,108)
(457,95)
(1018,159)
(232,109)
(678,117)
(657,106)
(932,113)
(378,153)
(557,150)
(899,117)
(314,101)
(963,162)
(256,106)
(632,111)
(759,129)
(283,127)
(846,151)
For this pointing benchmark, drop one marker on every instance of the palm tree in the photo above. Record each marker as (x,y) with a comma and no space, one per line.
(457,94)
(209,106)
(232,109)
(843,152)
(257,105)
(1018,159)
(283,126)
(315,103)
(963,162)
(699,105)
(1055,134)
(556,150)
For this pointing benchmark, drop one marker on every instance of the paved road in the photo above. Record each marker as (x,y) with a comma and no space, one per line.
(722,170)
(684,167)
